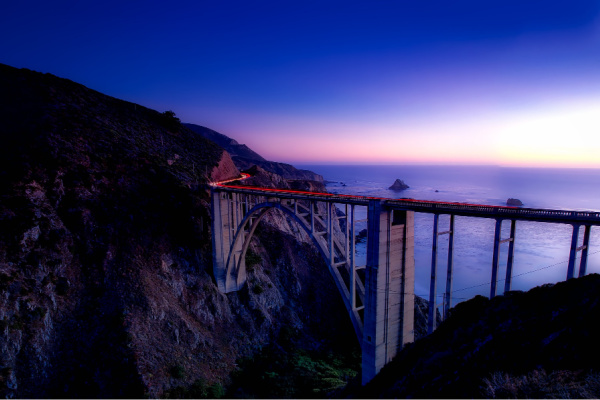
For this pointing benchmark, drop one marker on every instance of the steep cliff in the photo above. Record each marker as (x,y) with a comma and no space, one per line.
(231,145)
(225,169)
(245,158)
(106,286)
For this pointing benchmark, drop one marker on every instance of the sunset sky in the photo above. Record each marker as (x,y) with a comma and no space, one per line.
(378,81)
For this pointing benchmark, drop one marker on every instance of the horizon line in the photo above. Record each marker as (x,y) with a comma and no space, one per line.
(425,164)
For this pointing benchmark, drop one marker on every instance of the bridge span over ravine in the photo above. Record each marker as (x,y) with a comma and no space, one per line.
(378,296)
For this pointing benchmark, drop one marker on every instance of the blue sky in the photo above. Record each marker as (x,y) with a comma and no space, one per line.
(462,82)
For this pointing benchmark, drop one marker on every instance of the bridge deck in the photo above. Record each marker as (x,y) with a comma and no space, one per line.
(384,293)
(433,207)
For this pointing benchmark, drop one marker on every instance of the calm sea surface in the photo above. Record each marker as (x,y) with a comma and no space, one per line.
(541,249)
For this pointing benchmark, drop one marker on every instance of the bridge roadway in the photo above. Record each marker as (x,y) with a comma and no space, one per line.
(379,299)
(434,207)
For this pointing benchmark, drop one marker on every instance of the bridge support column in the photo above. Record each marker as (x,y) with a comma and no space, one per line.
(511,256)
(389,287)
(433,282)
(573,252)
(448,297)
(432,310)
(496,255)
(584,251)
(225,218)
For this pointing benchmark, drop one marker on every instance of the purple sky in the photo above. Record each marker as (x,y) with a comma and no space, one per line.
(461,82)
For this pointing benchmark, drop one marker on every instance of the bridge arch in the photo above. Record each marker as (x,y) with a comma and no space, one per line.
(235,265)
(379,300)
(387,301)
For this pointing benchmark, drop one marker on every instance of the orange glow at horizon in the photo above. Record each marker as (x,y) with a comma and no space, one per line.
(564,135)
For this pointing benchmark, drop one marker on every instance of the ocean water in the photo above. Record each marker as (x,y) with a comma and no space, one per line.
(541,249)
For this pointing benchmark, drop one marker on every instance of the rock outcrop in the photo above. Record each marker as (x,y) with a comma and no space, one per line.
(225,169)
(307,186)
(399,185)
(287,171)
(245,158)
(261,178)
(514,202)
(422,317)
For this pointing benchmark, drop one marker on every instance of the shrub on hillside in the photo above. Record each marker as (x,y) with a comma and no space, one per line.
(170,121)
(539,384)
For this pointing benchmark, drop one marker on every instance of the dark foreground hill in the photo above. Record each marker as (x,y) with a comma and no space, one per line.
(539,344)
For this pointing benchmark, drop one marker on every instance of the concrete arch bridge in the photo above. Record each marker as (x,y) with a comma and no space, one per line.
(378,296)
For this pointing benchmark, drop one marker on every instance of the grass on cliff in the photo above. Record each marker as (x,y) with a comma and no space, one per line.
(198,390)
(292,372)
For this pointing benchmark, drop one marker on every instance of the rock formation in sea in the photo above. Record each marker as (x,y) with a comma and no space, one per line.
(399,185)
(514,202)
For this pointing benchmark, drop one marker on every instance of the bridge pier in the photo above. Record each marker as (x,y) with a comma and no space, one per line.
(511,256)
(573,252)
(433,281)
(584,251)
(495,260)
(389,287)
(574,249)
(227,215)
(431,317)
(448,296)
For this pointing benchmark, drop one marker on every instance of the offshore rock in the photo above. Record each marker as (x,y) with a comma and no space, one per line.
(514,202)
(399,185)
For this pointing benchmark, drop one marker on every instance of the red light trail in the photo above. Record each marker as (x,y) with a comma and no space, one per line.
(349,196)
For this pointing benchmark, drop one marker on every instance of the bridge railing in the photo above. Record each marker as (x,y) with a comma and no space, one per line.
(435,207)
(504,212)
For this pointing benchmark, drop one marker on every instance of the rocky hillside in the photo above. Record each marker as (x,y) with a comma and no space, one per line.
(245,158)
(231,145)
(106,286)
(538,344)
